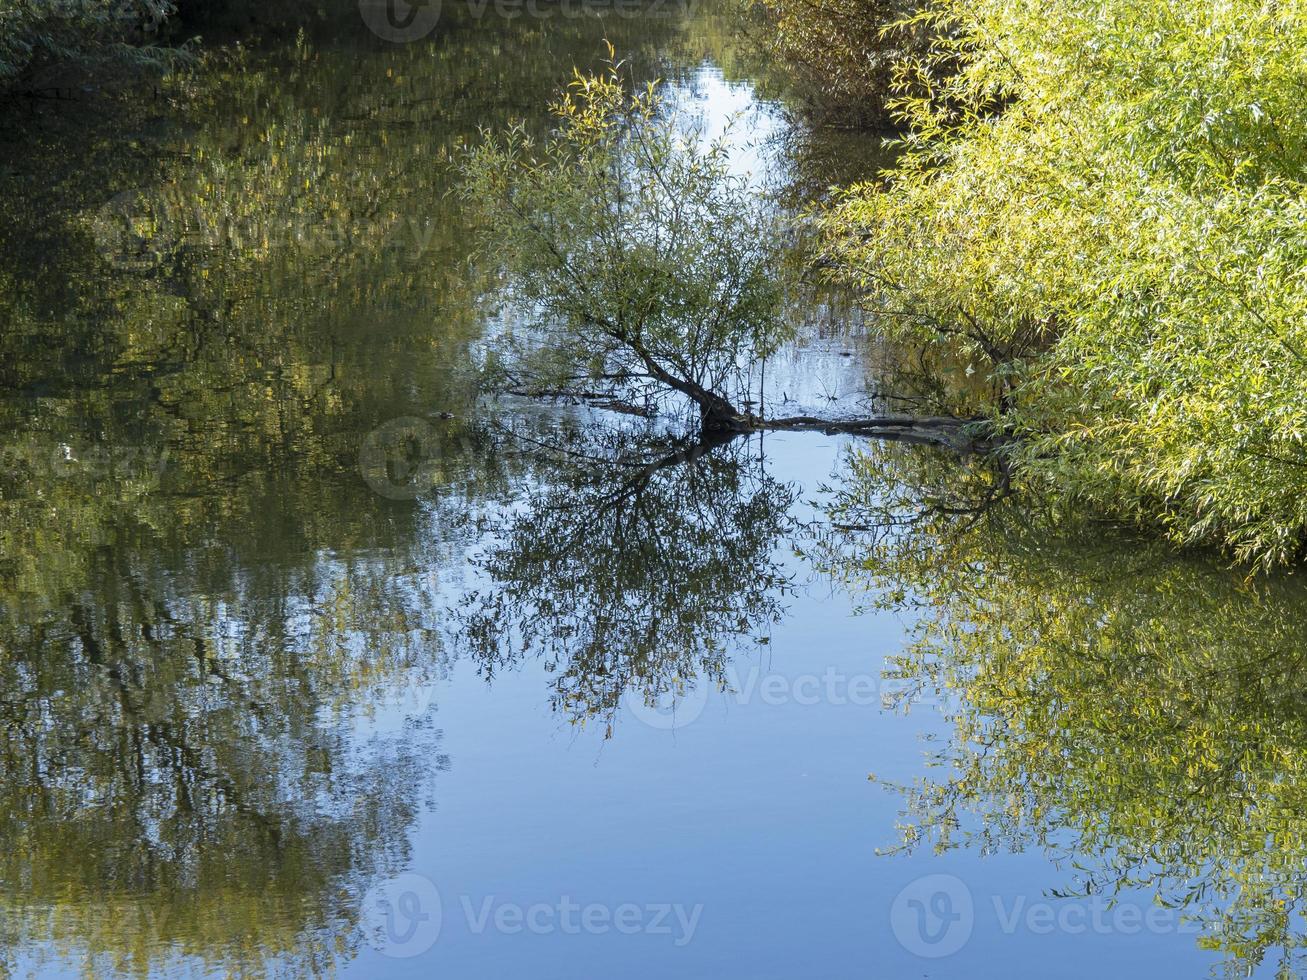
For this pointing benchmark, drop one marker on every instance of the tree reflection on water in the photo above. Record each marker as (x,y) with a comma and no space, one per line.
(632,568)
(1137,715)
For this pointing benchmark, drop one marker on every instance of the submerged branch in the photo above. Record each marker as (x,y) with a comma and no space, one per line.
(721,419)
(936,430)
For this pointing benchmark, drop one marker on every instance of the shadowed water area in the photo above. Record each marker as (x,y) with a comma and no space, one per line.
(313,661)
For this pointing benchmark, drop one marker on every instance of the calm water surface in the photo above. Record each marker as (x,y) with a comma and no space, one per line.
(300,675)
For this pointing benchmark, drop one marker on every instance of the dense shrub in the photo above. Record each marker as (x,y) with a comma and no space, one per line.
(37,33)
(1102,205)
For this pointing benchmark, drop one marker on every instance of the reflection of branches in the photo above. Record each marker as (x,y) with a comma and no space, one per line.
(227,790)
(633,576)
(1133,712)
(902,500)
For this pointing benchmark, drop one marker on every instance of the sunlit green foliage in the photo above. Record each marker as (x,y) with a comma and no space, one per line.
(1102,208)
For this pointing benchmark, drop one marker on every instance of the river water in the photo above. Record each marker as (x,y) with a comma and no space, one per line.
(312,663)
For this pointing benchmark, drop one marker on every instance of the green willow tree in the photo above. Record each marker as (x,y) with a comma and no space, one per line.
(1101,208)
(635,260)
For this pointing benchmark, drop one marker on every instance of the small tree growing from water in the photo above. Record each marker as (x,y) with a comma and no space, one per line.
(641,260)
(644,263)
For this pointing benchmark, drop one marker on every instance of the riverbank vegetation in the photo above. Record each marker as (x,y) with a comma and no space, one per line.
(1096,216)
(36,35)
(1100,208)
(243,472)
